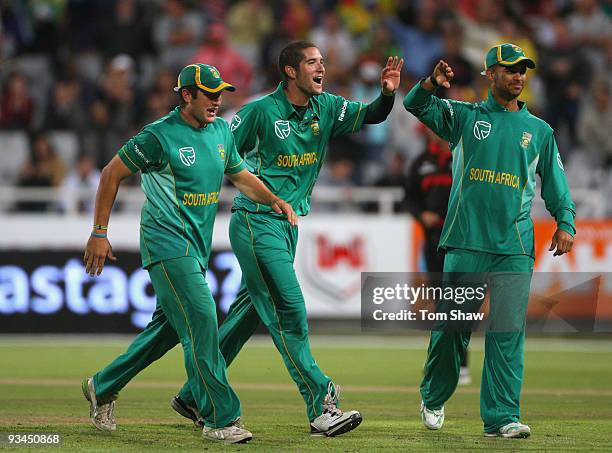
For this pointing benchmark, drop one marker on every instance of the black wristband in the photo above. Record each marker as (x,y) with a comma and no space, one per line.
(433,81)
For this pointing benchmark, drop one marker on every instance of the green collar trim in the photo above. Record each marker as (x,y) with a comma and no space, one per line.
(285,107)
(492,104)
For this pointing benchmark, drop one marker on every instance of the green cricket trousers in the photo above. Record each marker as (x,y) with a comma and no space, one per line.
(185,312)
(265,246)
(508,278)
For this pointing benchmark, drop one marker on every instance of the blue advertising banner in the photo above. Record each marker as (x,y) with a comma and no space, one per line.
(49,292)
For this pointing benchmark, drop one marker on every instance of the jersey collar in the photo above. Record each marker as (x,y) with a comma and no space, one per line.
(177,113)
(285,107)
(495,106)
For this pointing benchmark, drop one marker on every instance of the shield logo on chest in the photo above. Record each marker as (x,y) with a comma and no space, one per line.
(482,129)
(282,129)
(187,155)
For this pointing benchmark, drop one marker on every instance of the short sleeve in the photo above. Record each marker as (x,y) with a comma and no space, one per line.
(244,126)
(348,115)
(233,163)
(143,152)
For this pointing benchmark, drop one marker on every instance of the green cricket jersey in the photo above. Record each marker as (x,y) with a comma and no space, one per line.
(496,156)
(182,171)
(285,149)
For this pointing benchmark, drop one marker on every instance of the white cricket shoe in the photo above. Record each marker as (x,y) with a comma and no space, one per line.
(333,422)
(101,415)
(187,411)
(432,419)
(512,430)
(464,376)
(233,433)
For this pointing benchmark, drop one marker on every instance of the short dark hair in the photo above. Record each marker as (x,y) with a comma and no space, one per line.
(193,90)
(291,55)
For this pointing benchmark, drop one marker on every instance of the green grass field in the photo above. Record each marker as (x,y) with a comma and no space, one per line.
(567,397)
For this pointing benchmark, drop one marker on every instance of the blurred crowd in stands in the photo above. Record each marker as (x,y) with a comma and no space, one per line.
(79,77)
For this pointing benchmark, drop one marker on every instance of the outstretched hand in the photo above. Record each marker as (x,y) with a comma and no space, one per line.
(443,74)
(390,75)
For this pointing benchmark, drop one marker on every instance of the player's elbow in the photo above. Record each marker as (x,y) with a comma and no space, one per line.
(110,175)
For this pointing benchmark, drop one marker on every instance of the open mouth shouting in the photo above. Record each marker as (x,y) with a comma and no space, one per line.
(317,83)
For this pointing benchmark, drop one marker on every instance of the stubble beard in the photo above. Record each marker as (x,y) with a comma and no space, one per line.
(504,93)
(306,91)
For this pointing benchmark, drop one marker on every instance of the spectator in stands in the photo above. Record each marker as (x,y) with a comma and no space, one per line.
(420,42)
(452,53)
(565,72)
(481,27)
(270,49)
(345,155)
(66,109)
(17,105)
(395,173)
(359,16)
(394,177)
(542,24)
(44,168)
(46,18)
(177,34)
(591,30)
(427,192)
(128,31)
(296,17)
(217,51)
(114,112)
(378,43)
(339,172)
(249,21)
(8,40)
(79,187)
(594,125)
(338,46)
(161,98)
(366,88)
(405,131)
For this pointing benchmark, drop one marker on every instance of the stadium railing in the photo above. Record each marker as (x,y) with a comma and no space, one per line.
(590,203)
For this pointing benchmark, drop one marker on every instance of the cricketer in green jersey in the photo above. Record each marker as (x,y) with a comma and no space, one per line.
(182,158)
(498,148)
(284,136)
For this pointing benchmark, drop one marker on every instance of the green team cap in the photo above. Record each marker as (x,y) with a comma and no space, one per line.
(203,76)
(506,55)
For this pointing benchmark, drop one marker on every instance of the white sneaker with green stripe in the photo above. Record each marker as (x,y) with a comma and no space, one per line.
(101,413)
(432,419)
(234,433)
(187,411)
(511,430)
(333,421)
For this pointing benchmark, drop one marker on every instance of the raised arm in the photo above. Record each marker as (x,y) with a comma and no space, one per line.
(443,116)
(442,75)
(379,109)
